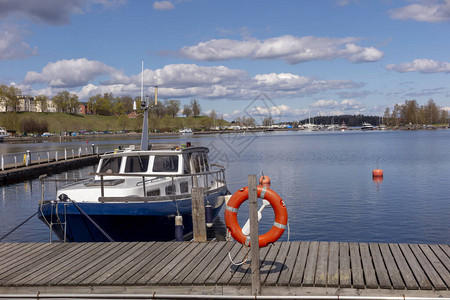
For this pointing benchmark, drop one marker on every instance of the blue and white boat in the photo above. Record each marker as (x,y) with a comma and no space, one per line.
(136,194)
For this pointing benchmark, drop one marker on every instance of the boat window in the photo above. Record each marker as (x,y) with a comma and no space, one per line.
(205,158)
(136,164)
(186,164)
(170,190)
(111,165)
(184,187)
(165,163)
(196,161)
(156,192)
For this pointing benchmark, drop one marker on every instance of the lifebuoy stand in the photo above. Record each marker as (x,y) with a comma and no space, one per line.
(278,205)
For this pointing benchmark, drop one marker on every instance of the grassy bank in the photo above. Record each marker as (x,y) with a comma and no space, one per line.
(59,122)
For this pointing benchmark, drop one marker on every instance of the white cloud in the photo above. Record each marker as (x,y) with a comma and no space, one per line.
(289,48)
(422,66)
(179,81)
(69,73)
(345,105)
(163,5)
(424,11)
(350,104)
(12,45)
(324,104)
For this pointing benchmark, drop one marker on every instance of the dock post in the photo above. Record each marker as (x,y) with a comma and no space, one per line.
(254,238)
(198,215)
(3,163)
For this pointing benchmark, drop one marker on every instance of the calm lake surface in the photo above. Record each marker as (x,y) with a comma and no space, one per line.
(323,177)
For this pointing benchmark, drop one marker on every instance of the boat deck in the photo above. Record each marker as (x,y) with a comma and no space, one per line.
(287,268)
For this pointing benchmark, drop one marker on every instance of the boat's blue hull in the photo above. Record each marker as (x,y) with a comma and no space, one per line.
(151,221)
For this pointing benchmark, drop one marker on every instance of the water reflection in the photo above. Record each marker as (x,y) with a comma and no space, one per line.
(324,178)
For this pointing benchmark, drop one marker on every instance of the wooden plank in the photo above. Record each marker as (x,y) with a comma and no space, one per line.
(446,249)
(91,263)
(380,269)
(403,268)
(425,264)
(445,260)
(126,260)
(137,261)
(421,278)
(393,271)
(46,268)
(23,254)
(311,262)
(286,274)
(345,273)
(322,265)
(207,265)
(333,265)
(177,264)
(24,263)
(275,273)
(357,271)
(240,257)
(105,264)
(225,266)
(437,264)
(66,268)
(12,250)
(175,278)
(130,276)
(269,260)
(245,277)
(300,263)
(163,260)
(369,271)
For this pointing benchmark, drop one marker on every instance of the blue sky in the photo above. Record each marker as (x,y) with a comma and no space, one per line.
(283,58)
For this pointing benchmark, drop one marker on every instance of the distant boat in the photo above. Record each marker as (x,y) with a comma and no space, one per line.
(3,133)
(366,126)
(185,131)
(343,126)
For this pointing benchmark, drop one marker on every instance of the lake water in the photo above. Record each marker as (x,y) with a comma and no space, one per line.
(323,177)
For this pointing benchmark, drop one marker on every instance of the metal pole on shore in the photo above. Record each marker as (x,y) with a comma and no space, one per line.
(254,238)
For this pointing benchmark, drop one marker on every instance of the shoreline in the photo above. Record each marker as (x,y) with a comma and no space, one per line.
(55,138)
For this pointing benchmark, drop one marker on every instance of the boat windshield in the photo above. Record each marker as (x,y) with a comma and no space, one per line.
(165,163)
(111,165)
(136,164)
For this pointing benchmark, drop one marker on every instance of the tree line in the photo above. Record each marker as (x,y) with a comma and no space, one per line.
(411,113)
(105,104)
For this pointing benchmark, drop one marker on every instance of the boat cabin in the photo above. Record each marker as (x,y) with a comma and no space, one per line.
(159,161)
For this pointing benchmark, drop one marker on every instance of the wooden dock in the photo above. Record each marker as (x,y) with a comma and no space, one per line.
(287,268)
(16,173)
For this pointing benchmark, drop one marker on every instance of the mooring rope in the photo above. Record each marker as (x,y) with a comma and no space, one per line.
(15,228)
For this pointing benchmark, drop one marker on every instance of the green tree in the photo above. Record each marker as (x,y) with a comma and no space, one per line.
(431,112)
(187,111)
(172,107)
(43,102)
(196,108)
(10,97)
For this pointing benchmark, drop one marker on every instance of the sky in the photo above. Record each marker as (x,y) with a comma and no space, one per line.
(285,59)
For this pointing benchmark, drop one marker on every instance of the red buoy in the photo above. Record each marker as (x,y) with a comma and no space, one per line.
(264,181)
(377,173)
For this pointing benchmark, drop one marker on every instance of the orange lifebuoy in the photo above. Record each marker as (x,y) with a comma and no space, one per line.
(278,206)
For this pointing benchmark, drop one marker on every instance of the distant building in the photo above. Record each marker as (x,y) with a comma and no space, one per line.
(28,104)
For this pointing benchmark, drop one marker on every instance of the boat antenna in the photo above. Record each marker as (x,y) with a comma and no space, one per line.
(144,105)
